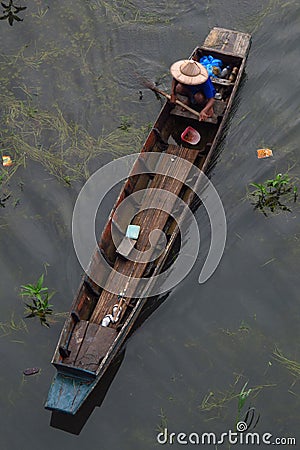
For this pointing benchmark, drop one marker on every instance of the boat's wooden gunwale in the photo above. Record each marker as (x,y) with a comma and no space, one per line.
(218,52)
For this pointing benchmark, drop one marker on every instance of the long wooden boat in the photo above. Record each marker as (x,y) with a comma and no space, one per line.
(87,346)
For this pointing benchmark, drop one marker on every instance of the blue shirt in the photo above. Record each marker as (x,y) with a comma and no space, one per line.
(206,88)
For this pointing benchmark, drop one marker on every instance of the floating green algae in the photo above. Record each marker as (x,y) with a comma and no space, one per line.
(64,148)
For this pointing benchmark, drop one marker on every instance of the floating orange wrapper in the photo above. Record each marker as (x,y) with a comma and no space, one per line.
(264,153)
(6,161)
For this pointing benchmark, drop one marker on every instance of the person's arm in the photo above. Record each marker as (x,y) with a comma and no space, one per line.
(204,113)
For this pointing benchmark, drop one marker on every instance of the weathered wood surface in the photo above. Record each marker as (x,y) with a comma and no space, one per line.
(76,341)
(83,359)
(96,347)
(149,219)
(228,41)
(219,108)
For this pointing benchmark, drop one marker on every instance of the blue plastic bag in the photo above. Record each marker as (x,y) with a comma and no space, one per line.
(209,62)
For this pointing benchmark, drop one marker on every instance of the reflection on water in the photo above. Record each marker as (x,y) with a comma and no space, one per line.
(67,84)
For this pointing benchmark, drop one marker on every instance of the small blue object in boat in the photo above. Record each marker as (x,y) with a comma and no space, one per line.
(209,62)
(133,231)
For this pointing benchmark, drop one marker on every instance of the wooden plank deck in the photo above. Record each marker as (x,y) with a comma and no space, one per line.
(228,41)
(96,347)
(83,359)
(149,220)
(76,341)
(219,108)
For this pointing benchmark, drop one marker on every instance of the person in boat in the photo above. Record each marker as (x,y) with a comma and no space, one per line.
(190,79)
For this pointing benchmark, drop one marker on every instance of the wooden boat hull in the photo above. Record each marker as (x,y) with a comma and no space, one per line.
(93,348)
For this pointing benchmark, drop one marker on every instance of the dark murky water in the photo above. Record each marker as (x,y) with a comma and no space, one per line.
(78,59)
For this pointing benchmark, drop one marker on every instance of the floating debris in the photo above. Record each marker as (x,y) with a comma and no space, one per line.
(6,161)
(264,153)
(31,371)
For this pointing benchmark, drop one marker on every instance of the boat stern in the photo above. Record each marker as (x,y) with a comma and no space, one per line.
(67,394)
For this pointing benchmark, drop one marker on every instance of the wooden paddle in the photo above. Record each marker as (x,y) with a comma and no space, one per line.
(150,85)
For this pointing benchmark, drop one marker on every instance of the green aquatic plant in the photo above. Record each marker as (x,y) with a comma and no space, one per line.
(67,155)
(34,290)
(219,400)
(40,308)
(255,21)
(126,12)
(40,297)
(11,11)
(244,328)
(270,195)
(41,12)
(125,123)
(292,366)
(242,398)
(163,421)
(12,326)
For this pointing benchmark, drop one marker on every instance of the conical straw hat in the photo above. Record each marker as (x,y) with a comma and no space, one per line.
(188,71)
